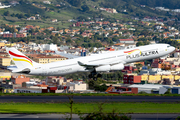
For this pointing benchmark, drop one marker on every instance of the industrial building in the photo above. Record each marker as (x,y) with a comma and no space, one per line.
(150,88)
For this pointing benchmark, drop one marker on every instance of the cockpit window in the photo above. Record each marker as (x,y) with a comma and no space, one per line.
(168,46)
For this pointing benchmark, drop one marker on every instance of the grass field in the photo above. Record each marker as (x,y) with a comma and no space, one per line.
(89,107)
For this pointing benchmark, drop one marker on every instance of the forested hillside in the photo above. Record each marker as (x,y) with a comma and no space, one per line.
(63,10)
(171,4)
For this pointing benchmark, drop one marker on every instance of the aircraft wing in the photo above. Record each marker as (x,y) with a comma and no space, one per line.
(88,65)
(69,56)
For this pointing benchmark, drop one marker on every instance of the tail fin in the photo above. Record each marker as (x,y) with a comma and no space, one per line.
(20,60)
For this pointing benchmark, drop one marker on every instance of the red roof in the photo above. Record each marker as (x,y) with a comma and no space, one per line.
(126,39)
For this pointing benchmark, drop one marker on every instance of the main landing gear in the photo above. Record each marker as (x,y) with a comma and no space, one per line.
(94,75)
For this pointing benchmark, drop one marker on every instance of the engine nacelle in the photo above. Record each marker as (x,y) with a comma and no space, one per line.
(117,67)
(103,68)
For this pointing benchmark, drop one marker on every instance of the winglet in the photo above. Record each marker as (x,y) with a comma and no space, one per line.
(81,64)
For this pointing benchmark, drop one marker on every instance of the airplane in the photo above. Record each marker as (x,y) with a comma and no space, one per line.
(113,60)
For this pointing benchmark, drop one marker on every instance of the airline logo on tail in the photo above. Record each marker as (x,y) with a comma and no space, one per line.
(25,59)
(132,51)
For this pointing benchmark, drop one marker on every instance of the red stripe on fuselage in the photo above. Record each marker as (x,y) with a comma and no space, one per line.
(16,55)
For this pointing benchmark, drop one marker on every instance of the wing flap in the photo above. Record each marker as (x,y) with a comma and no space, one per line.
(88,65)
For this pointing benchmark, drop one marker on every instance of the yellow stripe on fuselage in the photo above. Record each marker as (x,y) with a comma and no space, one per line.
(16,59)
(134,51)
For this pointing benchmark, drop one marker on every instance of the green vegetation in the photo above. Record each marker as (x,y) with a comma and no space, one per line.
(124,107)
(72,9)
(165,3)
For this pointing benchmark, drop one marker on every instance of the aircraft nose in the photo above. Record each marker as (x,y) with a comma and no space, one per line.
(173,48)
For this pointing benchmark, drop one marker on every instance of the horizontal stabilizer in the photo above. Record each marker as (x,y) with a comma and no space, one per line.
(23,70)
(69,56)
(11,68)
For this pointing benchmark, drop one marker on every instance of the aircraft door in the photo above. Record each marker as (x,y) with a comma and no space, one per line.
(161,49)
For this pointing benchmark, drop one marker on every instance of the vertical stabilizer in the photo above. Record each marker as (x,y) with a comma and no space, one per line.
(20,60)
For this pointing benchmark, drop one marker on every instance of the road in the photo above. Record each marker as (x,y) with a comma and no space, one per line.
(90,99)
(76,117)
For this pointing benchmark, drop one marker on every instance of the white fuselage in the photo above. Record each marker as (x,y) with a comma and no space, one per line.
(122,56)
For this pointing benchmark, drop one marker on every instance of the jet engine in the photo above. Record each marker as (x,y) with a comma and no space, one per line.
(117,67)
(105,68)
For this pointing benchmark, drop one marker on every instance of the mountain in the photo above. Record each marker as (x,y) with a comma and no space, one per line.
(63,10)
(171,4)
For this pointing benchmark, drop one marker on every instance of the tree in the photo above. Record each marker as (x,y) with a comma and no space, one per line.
(68,40)
(55,40)
(57,28)
(101,88)
(85,8)
(6,13)
(138,66)
(76,3)
(91,84)
(139,43)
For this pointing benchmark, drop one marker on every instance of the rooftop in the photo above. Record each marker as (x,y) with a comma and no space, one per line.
(44,56)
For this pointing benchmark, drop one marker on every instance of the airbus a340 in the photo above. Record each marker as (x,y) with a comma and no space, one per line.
(113,60)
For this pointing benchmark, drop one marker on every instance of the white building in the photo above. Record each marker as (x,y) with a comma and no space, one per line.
(4,6)
(176,10)
(52,47)
(114,28)
(46,2)
(177,54)
(133,29)
(77,86)
(29,90)
(149,88)
(155,71)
